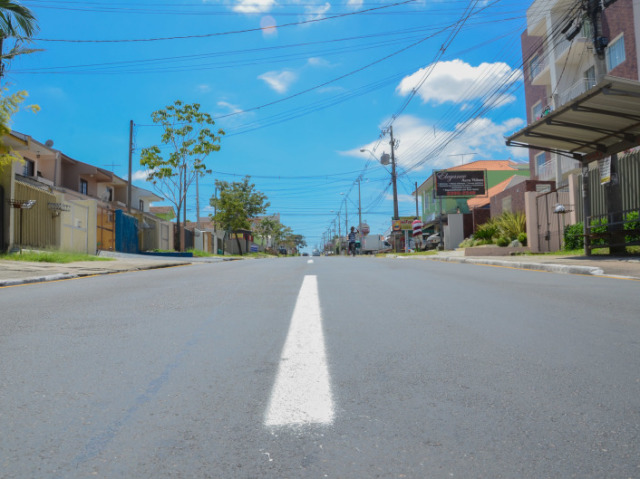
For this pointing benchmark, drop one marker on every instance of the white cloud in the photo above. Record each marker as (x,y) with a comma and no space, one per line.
(481,139)
(140,175)
(316,12)
(231,108)
(458,82)
(355,4)
(279,81)
(253,6)
(318,62)
(203,88)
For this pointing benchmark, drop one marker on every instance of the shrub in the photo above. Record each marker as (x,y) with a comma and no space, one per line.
(511,225)
(599,226)
(522,237)
(486,231)
(573,238)
(633,224)
(503,241)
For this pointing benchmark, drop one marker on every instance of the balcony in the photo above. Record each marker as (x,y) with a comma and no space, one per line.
(575,90)
(539,71)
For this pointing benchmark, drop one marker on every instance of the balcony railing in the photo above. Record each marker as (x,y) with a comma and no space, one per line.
(575,90)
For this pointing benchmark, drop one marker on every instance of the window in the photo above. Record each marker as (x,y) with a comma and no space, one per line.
(535,66)
(109,195)
(615,53)
(540,159)
(590,78)
(536,111)
(29,168)
(141,205)
(84,187)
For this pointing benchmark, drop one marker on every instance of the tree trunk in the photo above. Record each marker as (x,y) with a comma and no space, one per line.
(239,245)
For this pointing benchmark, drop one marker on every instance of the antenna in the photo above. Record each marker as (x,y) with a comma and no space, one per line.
(48,143)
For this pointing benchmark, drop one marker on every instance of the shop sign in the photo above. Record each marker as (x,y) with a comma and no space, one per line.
(403,224)
(460,183)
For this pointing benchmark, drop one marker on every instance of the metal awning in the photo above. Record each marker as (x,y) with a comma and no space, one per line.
(600,122)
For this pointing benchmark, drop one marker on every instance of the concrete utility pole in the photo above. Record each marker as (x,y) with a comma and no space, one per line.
(417,210)
(613,193)
(393,175)
(359,205)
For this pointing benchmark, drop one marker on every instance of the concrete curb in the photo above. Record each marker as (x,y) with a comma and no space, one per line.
(550,267)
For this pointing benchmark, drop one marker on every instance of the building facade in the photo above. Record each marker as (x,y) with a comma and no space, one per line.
(568,47)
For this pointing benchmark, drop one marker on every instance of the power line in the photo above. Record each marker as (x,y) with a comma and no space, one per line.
(232,32)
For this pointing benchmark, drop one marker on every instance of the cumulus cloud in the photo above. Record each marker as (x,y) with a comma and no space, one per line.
(253,6)
(279,81)
(230,107)
(479,139)
(140,175)
(459,82)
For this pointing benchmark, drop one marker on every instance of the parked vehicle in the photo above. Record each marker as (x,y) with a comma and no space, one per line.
(315,252)
(373,244)
(432,242)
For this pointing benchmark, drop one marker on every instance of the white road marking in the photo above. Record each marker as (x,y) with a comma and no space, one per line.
(302,391)
(310,261)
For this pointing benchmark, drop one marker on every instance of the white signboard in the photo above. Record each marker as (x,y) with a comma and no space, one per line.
(604,166)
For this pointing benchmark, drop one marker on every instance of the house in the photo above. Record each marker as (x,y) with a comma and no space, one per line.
(435,209)
(75,206)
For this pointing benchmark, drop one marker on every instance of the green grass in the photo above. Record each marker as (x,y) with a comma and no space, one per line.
(51,257)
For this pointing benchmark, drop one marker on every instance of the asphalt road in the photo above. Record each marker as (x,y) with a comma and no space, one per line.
(321,367)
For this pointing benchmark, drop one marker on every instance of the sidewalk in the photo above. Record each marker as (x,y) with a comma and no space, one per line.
(620,267)
(21,272)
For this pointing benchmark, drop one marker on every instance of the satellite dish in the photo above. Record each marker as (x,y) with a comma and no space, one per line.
(48,143)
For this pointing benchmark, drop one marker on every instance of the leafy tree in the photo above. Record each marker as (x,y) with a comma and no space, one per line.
(18,22)
(266,228)
(9,105)
(187,134)
(236,204)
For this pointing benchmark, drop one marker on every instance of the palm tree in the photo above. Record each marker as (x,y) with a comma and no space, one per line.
(16,21)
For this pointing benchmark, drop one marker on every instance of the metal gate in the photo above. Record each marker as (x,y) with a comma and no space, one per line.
(551,210)
(106,229)
(75,229)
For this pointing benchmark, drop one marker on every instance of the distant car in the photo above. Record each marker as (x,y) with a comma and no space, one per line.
(305,254)
(283,251)
(315,252)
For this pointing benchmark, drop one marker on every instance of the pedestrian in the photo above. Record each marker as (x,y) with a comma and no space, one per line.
(416,225)
(352,240)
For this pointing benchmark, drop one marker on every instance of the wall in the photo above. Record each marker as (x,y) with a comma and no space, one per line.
(35,227)
(516,193)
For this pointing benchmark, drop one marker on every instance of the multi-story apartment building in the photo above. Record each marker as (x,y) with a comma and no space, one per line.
(568,47)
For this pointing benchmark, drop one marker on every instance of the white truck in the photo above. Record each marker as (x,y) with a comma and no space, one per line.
(372,244)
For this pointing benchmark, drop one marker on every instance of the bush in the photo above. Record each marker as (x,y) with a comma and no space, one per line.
(511,225)
(522,238)
(599,226)
(486,231)
(633,225)
(503,241)
(573,238)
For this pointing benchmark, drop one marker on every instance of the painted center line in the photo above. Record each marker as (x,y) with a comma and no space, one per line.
(302,391)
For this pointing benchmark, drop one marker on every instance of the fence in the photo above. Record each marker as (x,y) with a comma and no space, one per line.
(34,227)
(552,209)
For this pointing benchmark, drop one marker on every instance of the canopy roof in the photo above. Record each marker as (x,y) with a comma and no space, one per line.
(600,122)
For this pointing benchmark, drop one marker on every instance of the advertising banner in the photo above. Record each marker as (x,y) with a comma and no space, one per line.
(460,183)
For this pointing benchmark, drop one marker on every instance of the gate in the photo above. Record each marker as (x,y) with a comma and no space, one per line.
(551,210)
(75,228)
(106,230)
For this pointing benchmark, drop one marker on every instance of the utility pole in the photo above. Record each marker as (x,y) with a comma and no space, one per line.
(417,211)
(359,205)
(613,193)
(129,186)
(393,175)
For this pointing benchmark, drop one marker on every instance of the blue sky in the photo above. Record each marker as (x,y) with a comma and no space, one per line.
(299,88)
